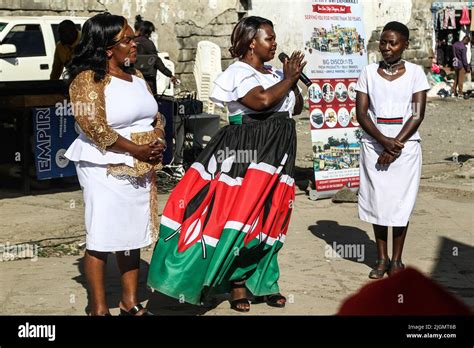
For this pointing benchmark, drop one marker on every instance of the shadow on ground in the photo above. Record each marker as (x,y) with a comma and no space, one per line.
(348,238)
(113,287)
(304,177)
(461,158)
(454,268)
(158,304)
(12,188)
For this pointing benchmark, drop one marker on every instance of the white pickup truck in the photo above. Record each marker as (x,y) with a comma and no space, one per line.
(27,46)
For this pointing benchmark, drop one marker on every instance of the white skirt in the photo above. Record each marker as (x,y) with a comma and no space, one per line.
(117,214)
(387,195)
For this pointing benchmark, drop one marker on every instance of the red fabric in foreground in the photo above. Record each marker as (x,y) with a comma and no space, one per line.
(408,292)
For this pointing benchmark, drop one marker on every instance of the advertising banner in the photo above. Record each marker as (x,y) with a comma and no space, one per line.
(53,131)
(335,47)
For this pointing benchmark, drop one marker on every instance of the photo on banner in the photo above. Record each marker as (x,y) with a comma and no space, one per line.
(335,47)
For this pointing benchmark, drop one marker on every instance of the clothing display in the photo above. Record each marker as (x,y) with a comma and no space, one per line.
(449,18)
(465,16)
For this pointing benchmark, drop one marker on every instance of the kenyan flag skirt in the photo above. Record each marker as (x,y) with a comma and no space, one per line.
(227,218)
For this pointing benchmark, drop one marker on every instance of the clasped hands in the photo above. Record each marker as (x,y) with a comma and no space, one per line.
(392,149)
(152,152)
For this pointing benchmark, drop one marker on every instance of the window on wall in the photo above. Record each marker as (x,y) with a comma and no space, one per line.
(28,40)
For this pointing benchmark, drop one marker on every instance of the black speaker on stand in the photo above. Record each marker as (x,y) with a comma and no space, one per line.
(166,106)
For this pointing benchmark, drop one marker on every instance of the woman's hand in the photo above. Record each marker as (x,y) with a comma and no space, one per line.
(293,67)
(385,158)
(392,146)
(151,153)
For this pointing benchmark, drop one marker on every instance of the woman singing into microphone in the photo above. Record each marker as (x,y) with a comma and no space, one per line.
(225,222)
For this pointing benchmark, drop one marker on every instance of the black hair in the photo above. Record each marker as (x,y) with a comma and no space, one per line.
(67,32)
(138,22)
(144,27)
(98,34)
(398,27)
(243,34)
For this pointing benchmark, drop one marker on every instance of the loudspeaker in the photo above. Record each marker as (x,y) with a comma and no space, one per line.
(166,106)
(188,106)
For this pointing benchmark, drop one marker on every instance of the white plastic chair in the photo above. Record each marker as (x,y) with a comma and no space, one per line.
(163,83)
(207,67)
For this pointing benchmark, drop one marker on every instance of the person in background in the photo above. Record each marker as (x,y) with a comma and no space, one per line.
(440,47)
(145,46)
(460,65)
(69,37)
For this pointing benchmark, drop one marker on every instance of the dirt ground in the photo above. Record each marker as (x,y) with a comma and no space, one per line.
(315,283)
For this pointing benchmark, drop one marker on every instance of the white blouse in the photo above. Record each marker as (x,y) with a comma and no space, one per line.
(238,79)
(130,108)
(390,102)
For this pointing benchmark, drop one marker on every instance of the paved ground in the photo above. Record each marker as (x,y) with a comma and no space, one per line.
(440,241)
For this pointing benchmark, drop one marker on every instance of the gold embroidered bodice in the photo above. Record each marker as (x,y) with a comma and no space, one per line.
(88,99)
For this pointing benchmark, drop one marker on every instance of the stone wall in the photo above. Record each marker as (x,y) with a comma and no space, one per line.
(50,7)
(420,24)
(180,25)
(189,34)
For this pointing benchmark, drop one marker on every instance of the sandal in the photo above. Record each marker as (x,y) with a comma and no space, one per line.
(273,300)
(396,267)
(236,304)
(134,310)
(376,273)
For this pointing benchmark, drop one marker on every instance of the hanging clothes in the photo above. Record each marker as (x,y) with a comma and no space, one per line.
(465,16)
(472,16)
(441,19)
(449,17)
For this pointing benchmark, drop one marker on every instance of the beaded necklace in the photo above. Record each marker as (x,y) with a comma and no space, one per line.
(391,69)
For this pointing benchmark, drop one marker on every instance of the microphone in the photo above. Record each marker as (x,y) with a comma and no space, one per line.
(303,78)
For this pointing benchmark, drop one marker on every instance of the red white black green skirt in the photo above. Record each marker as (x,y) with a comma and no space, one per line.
(228,217)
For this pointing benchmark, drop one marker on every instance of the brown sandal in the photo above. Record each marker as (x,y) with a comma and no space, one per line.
(235,304)
(273,300)
(376,273)
(396,267)
(134,310)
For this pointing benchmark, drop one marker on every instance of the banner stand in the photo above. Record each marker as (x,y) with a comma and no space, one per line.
(335,49)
